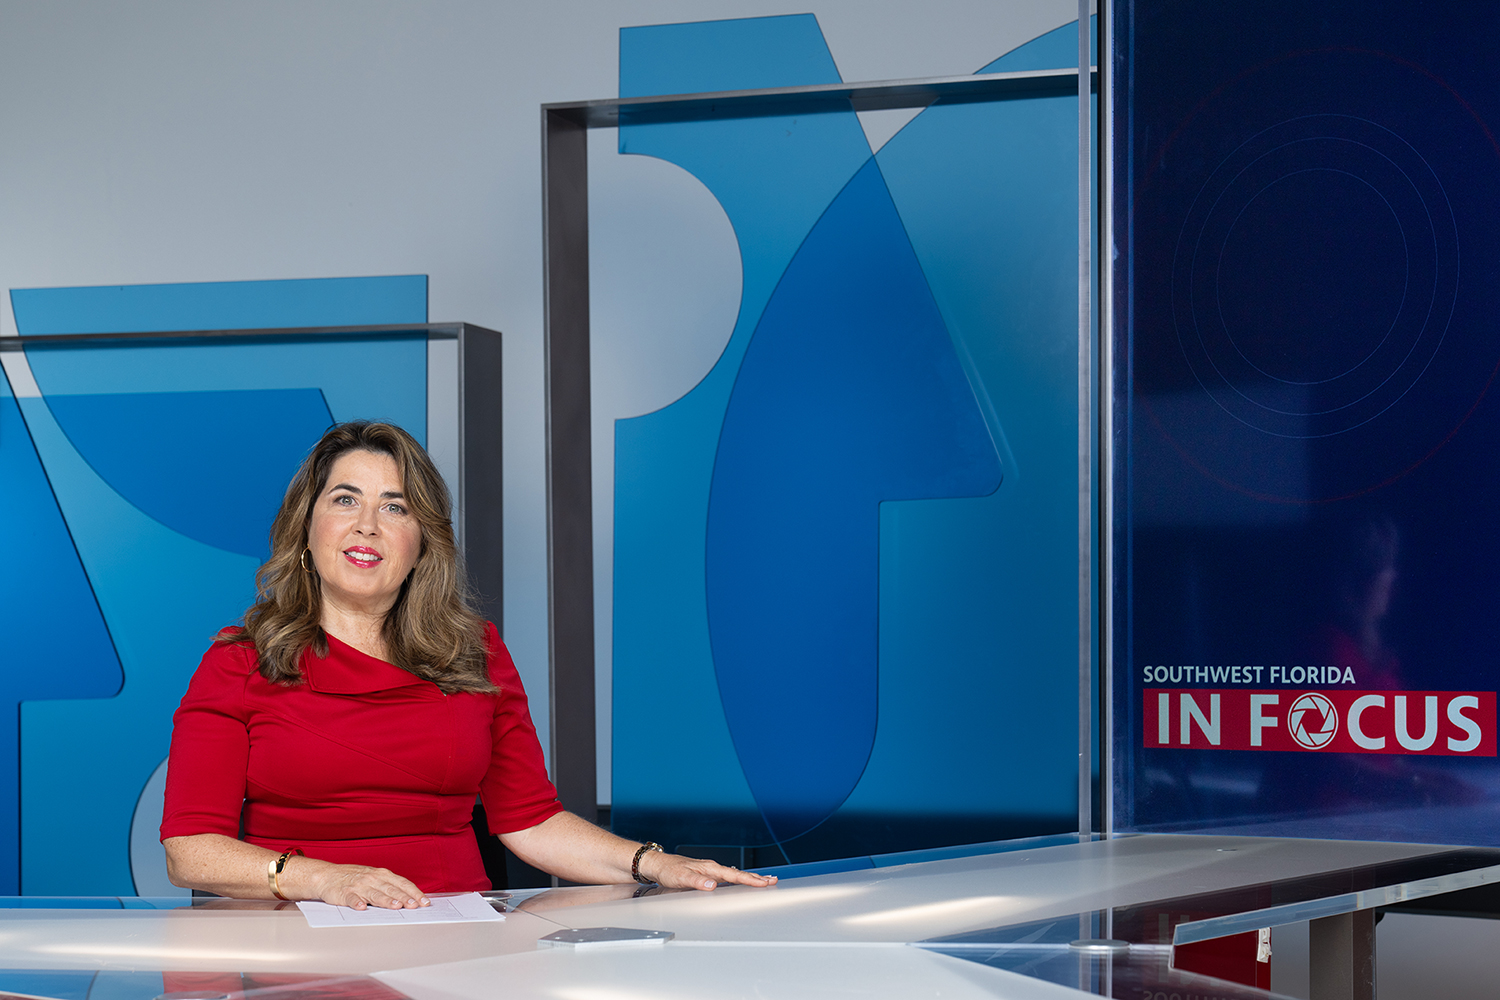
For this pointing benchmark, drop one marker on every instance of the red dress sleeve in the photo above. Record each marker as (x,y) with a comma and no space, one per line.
(210,747)
(516,791)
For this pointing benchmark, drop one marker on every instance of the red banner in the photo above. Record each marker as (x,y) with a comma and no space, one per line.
(1446,723)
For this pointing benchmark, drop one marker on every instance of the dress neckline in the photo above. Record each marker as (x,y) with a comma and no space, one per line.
(346,670)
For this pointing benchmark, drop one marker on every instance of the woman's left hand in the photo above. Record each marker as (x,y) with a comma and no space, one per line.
(572,848)
(673,871)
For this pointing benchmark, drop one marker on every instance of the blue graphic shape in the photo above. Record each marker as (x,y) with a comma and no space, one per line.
(269,432)
(664,460)
(163,594)
(850,394)
(1057,49)
(736,54)
(979,598)
(221,305)
(341,368)
(43,583)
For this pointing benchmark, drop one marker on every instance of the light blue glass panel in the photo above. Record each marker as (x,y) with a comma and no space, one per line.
(211,305)
(167,462)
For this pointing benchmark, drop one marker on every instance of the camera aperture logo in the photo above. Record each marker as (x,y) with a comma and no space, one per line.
(1313,721)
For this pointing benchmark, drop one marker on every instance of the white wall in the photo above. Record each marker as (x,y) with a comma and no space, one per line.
(178,140)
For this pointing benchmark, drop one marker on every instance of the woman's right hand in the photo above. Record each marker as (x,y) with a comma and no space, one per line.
(355,886)
(233,868)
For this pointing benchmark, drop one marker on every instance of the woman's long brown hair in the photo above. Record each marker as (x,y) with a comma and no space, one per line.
(431,631)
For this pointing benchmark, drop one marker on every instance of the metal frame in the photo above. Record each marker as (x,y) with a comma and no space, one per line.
(1106,168)
(1086,620)
(480,466)
(432,331)
(480,500)
(565,253)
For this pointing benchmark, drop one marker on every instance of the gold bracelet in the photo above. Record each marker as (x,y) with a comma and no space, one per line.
(635,864)
(274,869)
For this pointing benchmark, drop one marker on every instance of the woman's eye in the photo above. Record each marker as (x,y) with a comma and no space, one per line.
(344,501)
(395,508)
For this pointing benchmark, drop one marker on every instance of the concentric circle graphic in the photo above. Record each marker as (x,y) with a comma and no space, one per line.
(1315,275)
(1311,317)
(1313,721)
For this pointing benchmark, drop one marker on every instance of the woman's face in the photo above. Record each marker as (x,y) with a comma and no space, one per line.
(363,537)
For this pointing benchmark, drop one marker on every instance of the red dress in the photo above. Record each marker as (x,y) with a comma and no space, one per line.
(362,763)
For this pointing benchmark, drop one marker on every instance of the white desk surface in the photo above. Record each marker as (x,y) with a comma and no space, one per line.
(685,971)
(940,898)
(825,935)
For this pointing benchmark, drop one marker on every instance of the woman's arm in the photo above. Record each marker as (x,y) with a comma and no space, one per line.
(572,848)
(230,867)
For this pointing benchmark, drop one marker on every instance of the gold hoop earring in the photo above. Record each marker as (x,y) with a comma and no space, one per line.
(305,567)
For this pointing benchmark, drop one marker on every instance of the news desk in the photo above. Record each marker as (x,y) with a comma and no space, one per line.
(1097,918)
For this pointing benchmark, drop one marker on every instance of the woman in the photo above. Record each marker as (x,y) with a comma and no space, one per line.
(346,727)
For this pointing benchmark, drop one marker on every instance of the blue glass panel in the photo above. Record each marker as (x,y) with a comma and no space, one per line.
(53,639)
(63,985)
(134,440)
(211,305)
(664,460)
(82,985)
(1309,196)
(976,597)
(115,984)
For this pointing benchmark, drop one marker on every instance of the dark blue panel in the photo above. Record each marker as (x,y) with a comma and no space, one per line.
(267,433)
(850,394)
(1310,216)
(43,582)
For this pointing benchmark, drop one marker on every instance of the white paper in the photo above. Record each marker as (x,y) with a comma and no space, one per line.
(457,908)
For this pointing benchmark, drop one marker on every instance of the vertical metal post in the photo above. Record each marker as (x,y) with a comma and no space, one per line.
(1341,951)
(481,467)
(1106,463)
(570,516)
(1085,430)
